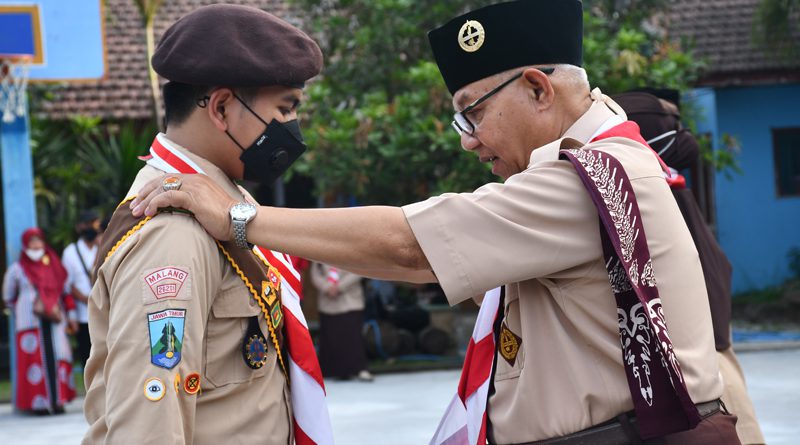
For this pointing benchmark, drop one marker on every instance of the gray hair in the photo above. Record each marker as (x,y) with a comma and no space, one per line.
(574,77)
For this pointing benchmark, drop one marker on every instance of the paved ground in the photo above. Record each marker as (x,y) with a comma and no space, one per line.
(404,409)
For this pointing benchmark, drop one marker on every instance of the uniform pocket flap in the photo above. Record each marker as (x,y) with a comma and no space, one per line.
(234,303)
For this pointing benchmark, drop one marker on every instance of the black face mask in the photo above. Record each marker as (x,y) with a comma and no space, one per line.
(89,234)
(268,157)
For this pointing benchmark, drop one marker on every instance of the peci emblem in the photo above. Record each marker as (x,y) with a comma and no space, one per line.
(192,383)
(166,282)
(509,345)
(154,389)
(471,36)
(166,336)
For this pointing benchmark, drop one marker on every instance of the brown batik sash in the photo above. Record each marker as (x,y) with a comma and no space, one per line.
(659,393)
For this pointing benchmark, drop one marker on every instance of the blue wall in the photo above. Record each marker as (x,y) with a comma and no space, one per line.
(755,227)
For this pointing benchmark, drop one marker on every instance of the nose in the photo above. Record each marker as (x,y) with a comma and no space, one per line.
(469,142)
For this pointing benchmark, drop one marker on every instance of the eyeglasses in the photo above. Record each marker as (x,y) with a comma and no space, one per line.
(463,125)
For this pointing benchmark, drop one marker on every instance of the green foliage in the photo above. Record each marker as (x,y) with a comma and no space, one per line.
(379,119)
(80,164)
(378,123)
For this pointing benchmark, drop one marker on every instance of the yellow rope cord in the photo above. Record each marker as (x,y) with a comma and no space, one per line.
(264,309)
(127,235)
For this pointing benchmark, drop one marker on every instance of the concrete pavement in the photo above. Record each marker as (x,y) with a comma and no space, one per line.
(404,409)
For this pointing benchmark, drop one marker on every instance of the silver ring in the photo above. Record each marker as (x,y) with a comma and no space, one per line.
(171,183)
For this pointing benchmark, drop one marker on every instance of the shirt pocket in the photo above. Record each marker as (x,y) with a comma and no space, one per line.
(225,333)
(505,368)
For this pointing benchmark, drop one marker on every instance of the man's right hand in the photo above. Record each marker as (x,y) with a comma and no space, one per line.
(198,194)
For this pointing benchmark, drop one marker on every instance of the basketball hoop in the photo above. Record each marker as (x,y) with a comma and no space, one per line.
(13,83)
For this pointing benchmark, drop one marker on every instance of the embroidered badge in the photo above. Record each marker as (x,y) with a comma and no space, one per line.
(166,283)
(192,383)
(154,389)
(166,336)
(509,345)
(254,346)
(471,36)
(176,383)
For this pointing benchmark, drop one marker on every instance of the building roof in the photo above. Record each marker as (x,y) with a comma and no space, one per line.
(125,91)
(720,32)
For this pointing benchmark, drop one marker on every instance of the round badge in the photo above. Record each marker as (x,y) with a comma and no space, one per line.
(256,351)
(191,384)
(177,383)
(154,389)
(471,36)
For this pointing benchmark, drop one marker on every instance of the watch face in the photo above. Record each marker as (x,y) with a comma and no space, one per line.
(243,211)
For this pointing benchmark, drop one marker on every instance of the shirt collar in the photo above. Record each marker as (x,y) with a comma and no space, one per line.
(208,168)
(602,115)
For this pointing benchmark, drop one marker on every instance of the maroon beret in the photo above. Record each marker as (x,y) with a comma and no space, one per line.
(236,46)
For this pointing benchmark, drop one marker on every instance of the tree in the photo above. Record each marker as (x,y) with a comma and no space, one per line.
(379,118)
(148,10)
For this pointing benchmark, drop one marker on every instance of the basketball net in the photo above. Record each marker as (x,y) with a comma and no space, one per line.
(13,84)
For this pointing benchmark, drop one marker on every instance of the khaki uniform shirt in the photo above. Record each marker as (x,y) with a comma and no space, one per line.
(351,294)
(236,404)
(539,235)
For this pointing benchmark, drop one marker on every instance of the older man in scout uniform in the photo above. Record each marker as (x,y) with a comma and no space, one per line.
(602,328)
(187,333)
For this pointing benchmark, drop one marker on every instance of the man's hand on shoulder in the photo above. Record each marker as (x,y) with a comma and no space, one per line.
(197,194)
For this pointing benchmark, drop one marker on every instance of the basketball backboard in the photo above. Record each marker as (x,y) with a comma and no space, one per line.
(65,37)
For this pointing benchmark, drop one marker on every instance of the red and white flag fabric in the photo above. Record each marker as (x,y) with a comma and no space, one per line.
(311,422)
(464,421)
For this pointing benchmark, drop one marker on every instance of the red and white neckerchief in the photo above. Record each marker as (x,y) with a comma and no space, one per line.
(464,421)
(333,276)
(311,421)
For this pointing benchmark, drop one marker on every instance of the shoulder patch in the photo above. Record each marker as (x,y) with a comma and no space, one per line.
(166,283)
(166,336)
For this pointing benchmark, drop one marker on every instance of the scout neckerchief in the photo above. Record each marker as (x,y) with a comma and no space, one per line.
(309,408)
(655,380)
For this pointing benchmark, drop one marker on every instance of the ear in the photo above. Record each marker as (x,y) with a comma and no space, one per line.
(541,89)
(218,102)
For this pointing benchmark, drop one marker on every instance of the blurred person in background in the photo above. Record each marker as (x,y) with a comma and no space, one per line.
(78,259)
(34,289)
(341,318)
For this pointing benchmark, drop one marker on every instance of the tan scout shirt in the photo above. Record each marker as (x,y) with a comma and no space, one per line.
(538,233)
(236,404)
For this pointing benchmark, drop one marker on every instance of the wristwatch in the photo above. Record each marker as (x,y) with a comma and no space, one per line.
(241,213)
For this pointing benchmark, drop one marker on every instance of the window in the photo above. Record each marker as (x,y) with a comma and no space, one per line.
(787,160)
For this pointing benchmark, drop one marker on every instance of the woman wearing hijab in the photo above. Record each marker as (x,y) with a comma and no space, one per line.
(34,289)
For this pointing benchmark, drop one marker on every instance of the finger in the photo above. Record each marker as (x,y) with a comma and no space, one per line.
(144,200)
(172,198)
(149,187)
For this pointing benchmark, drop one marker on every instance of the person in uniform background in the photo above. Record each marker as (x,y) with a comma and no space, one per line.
(78,259)
(342,353)
(182,351)
(659,118)
(525,107)
(34,288)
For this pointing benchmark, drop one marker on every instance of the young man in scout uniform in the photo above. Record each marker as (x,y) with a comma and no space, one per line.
(603,329)
(188,334)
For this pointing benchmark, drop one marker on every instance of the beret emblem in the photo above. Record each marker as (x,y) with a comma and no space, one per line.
(471,36)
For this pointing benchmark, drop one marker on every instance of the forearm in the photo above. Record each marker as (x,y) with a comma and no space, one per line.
(78,295)
(360,239)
